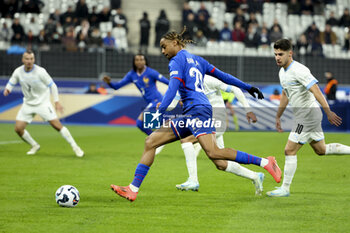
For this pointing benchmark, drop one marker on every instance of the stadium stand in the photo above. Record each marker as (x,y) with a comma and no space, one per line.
(56,17)
(292,25)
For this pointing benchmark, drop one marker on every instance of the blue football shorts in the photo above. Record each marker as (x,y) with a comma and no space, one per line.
(197,121)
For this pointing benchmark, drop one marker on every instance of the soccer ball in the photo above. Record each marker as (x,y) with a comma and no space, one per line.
(67,196)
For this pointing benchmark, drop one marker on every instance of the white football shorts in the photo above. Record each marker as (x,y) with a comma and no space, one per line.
(220,115)
(44,110)
(306,133)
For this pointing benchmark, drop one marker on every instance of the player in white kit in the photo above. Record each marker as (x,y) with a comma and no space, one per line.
(36,85)
(300,89)
(212,89)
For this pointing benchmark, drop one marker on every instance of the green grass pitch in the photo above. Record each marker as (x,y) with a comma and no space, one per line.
(319,201)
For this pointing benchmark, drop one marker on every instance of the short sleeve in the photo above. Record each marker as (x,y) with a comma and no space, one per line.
(175,70)
(154,74)
(14,78)
(45,77)
(305,77)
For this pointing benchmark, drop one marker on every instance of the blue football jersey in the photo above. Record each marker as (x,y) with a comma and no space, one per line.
(186,75)
(189,69)
(145,82)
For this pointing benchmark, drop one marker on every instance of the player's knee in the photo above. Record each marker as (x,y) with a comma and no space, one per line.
(220,165)
(57,128)
(221,168)
(209,154)
(149,142)
(19,130)
(56,124)
(16,129)
(288,151)
(320,151)
(212,154)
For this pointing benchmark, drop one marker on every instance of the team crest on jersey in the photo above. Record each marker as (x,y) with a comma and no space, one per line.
(146,80)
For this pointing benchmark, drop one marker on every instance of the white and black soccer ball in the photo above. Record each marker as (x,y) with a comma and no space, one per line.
(67,196)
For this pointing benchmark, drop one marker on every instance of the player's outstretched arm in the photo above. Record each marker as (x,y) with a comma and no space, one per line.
(10,84)
(227,78)
(255,90)
(232,89)
(333,118)
(283,104)
(217,84)
(126,80)
(251,117)
(169,94)
(230,79)
(54,93)
(162,79)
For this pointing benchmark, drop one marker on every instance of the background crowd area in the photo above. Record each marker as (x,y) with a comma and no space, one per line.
(316,27)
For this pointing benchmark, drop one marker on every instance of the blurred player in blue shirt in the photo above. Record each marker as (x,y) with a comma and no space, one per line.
(145,79)
(186,76)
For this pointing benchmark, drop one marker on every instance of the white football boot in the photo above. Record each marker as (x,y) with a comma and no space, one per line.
(278,192)
(259,184)
(188,185)
(33,150)
(78,152)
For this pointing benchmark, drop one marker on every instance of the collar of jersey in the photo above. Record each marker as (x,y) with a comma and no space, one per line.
(181,51)
(289,66)
(30,70)
(142,72)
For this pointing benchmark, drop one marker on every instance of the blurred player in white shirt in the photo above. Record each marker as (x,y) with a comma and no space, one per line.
(212,89)
(36,85)
(300,89)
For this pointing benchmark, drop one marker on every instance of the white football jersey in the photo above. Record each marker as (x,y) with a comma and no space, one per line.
(35,84)
(213,88)
(296,81)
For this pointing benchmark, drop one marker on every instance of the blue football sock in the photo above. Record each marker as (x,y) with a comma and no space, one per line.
(140,174)
(246,158)
(139,124)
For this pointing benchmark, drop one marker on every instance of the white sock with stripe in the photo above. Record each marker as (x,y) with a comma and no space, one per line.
(239,170)
(290,166)
(191,160)
(28,139)
(337,149)
(197,149)
(66,135)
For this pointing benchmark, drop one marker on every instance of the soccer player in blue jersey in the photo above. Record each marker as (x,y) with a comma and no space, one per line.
(186,76)
(145,79)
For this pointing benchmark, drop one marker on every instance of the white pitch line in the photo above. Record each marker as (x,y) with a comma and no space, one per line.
(9,142)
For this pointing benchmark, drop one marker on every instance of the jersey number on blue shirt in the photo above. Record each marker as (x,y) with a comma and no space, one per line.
(194,72)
